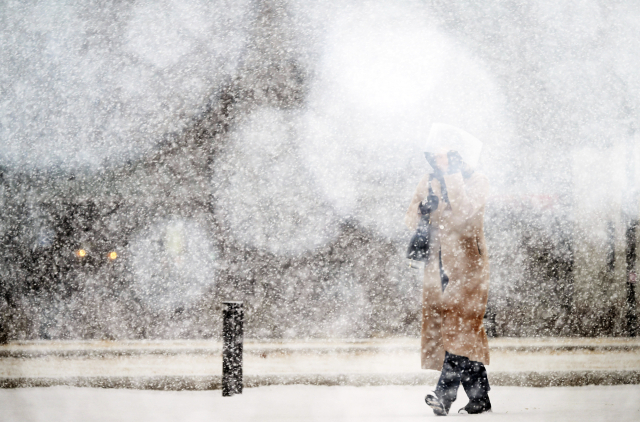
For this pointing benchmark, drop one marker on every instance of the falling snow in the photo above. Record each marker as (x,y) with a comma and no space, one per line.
(158,157)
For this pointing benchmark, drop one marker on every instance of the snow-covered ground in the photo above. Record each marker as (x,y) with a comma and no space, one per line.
(305,363)
(306,403)
(55,359)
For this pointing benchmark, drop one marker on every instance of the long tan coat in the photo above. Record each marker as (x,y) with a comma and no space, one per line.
(452,320)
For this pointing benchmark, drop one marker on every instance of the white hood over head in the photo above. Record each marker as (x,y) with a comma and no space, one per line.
(444,138)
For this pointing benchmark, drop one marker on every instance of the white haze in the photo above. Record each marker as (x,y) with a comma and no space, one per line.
(89,84)
(263,190)
(173,263)
(385,75)
(86,84)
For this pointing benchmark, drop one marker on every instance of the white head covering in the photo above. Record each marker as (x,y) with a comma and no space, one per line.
(444,138)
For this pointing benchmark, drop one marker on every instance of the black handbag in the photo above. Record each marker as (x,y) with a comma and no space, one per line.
(419,249)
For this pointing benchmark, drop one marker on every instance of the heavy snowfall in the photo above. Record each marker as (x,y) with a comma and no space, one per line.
(158,157)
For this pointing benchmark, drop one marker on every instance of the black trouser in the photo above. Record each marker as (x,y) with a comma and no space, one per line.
(472,374)
(457,369)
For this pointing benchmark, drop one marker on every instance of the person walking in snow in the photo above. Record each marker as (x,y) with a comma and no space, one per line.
(456,275)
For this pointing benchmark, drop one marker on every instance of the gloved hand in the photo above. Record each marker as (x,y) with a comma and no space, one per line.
(428,205)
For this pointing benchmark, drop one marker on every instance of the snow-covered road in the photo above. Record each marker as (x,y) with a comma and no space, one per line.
(308,403)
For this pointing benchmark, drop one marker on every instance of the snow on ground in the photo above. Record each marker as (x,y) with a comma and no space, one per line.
(306,403)
(304,363)
(383,356)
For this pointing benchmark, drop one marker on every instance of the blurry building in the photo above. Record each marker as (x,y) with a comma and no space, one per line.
(605,214)
(143,249)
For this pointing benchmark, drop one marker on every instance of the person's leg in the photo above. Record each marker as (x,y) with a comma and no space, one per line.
(447,388)
(476,384)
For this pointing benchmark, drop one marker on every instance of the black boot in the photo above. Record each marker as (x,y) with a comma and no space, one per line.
(439,405)
(477,406)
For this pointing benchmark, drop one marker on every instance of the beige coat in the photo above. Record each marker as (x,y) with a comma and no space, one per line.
(452,320)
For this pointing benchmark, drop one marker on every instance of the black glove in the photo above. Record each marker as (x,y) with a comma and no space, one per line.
(428,205)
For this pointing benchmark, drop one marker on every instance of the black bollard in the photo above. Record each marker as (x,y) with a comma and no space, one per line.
(232,317)
(632,278)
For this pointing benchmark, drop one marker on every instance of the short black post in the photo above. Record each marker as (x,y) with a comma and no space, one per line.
(632,276)
(233,315)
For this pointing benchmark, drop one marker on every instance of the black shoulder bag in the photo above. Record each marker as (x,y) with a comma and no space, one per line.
(419,245)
